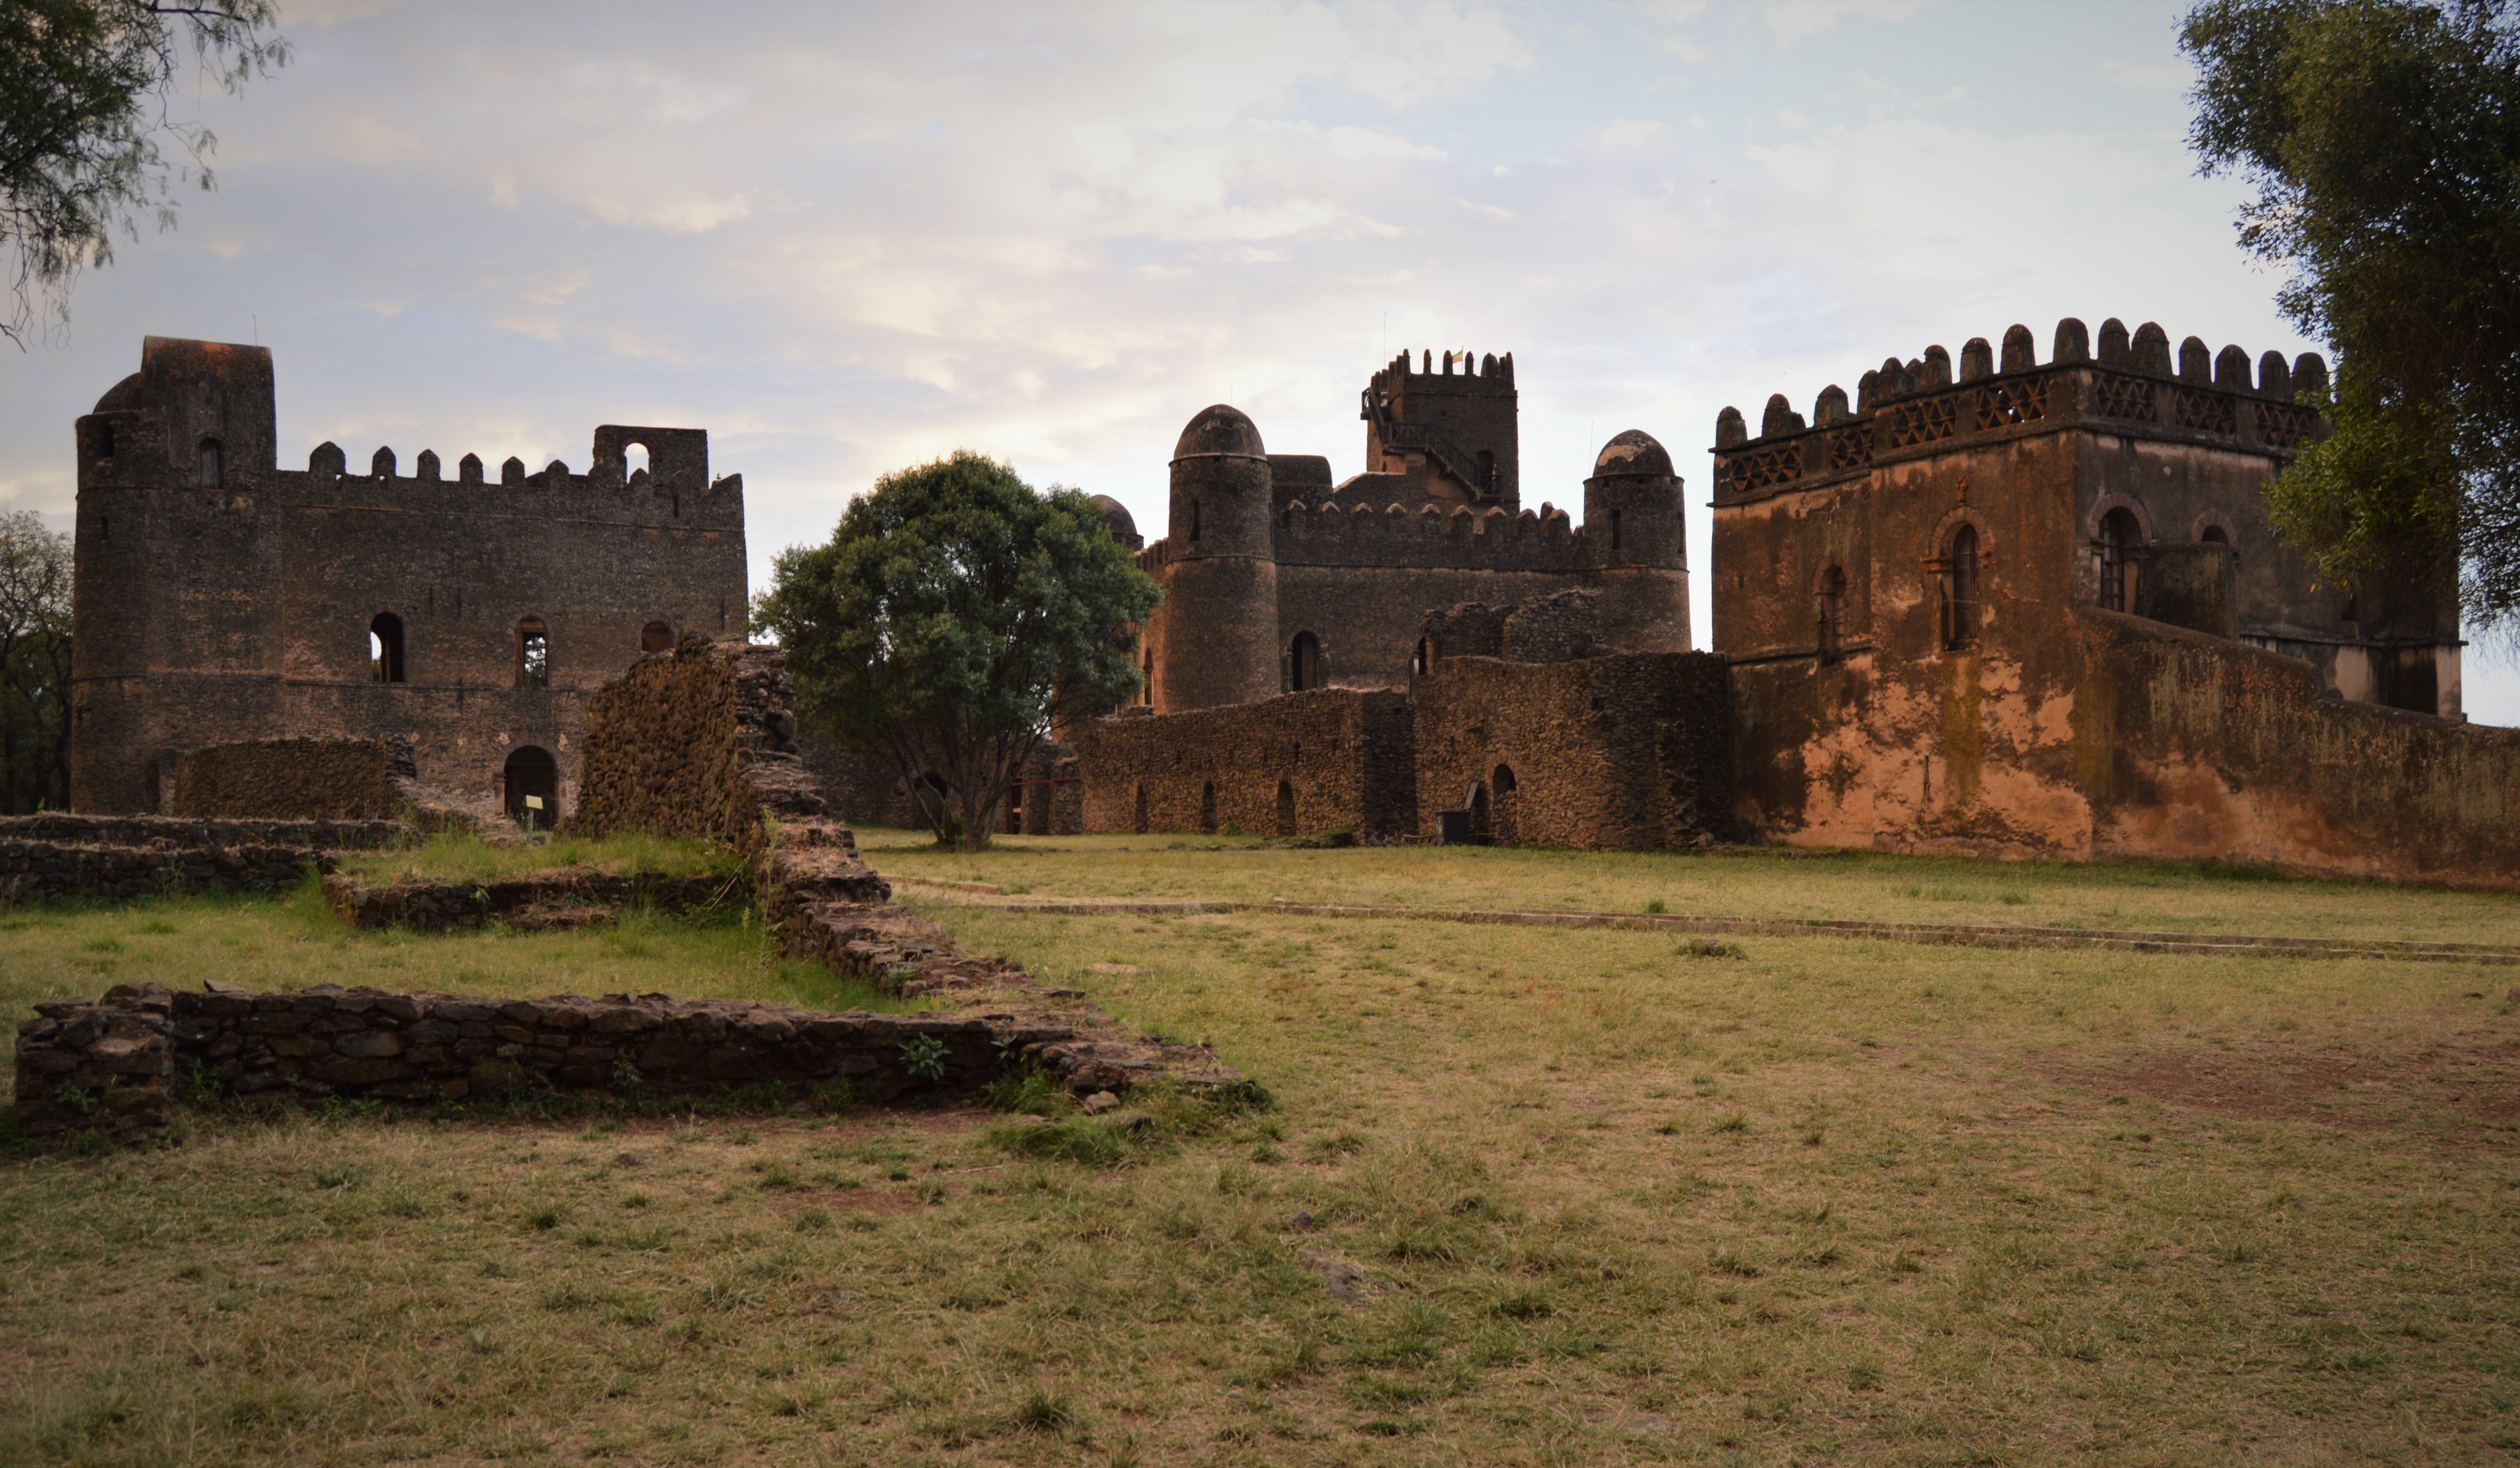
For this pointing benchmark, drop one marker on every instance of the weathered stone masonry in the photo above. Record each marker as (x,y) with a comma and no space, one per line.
(221,599)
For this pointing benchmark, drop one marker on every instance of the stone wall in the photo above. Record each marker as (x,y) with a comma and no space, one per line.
(1314,761)
(240,609)
(55,855)
(1632,751)
(2135,740)
(567,897)
(293,779)
(698,742)
(124,1053)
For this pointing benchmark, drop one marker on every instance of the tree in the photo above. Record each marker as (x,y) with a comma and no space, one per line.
(953,619)
(85,87)
(34,665)
(2384,139)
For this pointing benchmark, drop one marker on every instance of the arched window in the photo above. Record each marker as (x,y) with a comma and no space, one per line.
(1614,530)
(532,786)
(385,647)
(2121,548)
(2215,534)
(1286,808)
(634,461)
(1507,803)
(1487,471)
(1304,663)
(656,637)
(1207,808)
(1833,615)
(1960,590)
(213,469)
(533,654)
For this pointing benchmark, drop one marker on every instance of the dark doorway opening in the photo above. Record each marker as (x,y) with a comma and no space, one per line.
(1507,803)
(385,647)
(1207,808)
(1304,663)
(1286,808)
(1141,827)
(533,787)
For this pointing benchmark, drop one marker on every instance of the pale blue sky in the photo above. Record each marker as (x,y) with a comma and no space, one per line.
(844,238)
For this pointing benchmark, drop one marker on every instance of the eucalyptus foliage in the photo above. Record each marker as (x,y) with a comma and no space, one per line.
(85,87)
(2384,139)
(953,619)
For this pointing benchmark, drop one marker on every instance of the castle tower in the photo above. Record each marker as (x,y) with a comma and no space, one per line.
(178,549)
(1217,642)
(1454,435)
(1635,534)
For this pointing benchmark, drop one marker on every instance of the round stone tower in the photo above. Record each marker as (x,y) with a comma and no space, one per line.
(1636,539)
(1215,638)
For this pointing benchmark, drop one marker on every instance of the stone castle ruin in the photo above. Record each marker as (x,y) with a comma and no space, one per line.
(223,601)
(2002,605)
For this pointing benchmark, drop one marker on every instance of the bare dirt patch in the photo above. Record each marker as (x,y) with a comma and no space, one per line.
(2479,1084)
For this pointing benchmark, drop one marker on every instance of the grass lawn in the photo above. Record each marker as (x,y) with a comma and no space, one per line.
(449,857)
(1538,1196)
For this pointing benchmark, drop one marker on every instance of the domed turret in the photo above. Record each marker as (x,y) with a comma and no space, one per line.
(1632,530)
(1634,452)
(1216,640)
(1117,520)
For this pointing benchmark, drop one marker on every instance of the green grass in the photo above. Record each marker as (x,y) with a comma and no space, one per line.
(1600,1200)
(450,857)
(294,941)
(1743,882)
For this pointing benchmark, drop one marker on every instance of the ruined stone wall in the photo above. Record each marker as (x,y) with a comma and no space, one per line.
(1369,619)
(221,599)
(288,779)
(2125,737)
(697,743)
(857,791)
(1345,758)
(54,857)
(1628,752)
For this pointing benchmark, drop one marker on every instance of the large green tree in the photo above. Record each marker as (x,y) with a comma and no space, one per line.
(2384,139)
(35,664)
(85,90)
(950,621)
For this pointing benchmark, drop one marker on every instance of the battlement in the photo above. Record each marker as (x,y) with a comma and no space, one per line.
(1491,375)
(674,490)
(2130,386)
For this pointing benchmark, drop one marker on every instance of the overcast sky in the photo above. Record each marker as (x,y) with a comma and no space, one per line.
(847,238)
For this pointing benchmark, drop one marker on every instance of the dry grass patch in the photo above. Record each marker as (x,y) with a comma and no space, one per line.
(1530,1196)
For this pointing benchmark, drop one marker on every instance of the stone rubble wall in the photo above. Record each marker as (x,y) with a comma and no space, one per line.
(52,857)
(305,780)
(698,742)
(543,899)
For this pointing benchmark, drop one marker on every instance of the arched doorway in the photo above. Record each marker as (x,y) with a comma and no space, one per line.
(1482,815)
(1286,808)
(1506,803)
(532,781)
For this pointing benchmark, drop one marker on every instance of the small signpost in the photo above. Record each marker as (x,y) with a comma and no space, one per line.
(533,803)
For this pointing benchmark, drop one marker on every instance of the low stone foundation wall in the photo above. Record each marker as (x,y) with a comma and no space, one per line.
(53,857)
(563,897)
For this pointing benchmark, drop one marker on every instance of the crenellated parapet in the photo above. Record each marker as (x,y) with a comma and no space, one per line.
(1485,537)
(2130,386)
(673,491)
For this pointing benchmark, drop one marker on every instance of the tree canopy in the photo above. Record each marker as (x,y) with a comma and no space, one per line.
(84,90)
(35,664)
(953,619)
(2384,139)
